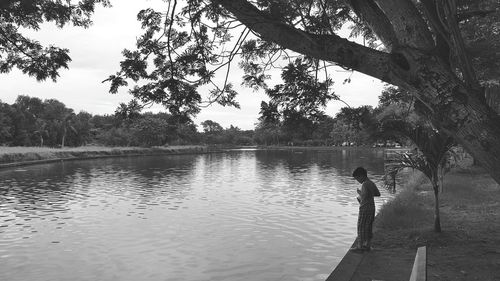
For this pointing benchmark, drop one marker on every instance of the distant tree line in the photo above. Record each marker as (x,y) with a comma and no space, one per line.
(30,121)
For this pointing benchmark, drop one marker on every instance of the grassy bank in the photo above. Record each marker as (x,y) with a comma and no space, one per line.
(15,156)
(467,249)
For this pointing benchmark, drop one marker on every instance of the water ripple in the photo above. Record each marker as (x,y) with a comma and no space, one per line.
(241,215)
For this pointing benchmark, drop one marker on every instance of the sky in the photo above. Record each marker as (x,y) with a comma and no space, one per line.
(96,54)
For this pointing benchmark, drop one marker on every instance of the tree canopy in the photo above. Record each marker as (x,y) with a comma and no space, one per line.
(28,55)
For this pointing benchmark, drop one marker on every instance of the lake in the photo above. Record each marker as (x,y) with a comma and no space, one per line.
(236,215)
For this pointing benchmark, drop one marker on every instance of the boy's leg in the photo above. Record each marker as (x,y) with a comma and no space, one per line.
(371,218)
(363,229)
(359,239)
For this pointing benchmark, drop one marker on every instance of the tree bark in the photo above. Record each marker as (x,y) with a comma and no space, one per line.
(459,111)
(437,217)
(492,95)
(375,18)
(410,28)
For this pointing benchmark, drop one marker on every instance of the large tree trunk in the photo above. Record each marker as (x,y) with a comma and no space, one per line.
(458,111)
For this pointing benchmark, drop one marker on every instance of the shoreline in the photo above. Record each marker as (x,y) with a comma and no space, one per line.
(329,148)
(23,156)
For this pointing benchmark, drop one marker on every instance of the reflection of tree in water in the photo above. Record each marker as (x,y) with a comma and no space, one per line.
(137,183)
(300,175)
(51,191)
(162,180)
(224,168)
(44,192)
(284,176)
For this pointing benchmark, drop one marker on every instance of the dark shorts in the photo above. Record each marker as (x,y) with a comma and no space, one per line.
(365,223)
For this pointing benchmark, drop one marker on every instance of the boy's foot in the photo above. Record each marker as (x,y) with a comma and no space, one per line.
(367,248)
(357,249)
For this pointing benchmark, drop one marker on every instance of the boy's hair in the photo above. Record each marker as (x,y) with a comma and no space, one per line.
(360,171)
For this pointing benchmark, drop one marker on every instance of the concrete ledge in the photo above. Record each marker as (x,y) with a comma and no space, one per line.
(347,266)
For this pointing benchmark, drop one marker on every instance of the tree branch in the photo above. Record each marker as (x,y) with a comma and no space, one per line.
(476,13)
(169,43)
(375,18)
(443,43)
(409,26)
(324,47)
(450,10)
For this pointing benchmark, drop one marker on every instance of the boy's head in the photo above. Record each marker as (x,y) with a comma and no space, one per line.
(360,174)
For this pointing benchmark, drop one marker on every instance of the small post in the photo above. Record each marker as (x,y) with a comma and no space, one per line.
(419,271)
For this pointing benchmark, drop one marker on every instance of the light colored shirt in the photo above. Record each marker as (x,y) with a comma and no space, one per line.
(368,191)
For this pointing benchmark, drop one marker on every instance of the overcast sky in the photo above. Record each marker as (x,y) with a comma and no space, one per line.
(96,53)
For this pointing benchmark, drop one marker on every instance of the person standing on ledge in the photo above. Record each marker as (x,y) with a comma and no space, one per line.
(366,214)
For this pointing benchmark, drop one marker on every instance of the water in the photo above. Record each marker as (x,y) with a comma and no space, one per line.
(238,215)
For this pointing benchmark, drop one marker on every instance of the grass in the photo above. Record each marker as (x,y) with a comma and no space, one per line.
(33,149)
(15,155)
(409,210)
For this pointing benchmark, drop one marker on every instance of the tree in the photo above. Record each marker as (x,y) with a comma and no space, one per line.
(128,112)
(82,124)
(185,133)
(59,121)
(150,130)
(268,133)
(66,124)
(431,161)
(28,55)
(398,119)
(213,132)
(6,124)
(31,109)
(323,129)
(301,93)
(41,129)
(296,126)
(359,121)
(211,127)
(341,132)
(424,51)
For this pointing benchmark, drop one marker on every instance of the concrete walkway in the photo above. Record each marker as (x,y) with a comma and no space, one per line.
(347,267)
(378,264)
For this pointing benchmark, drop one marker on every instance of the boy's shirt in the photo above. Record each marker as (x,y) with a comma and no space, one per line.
(368,191)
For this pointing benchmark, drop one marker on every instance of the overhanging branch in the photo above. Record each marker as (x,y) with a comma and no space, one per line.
(476,13)
(375,18)
(324,47)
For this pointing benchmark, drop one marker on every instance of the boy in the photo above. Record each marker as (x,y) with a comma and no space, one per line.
(366,209)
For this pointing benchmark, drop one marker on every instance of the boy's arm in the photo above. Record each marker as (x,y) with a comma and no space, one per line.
(376,192)
(364,192)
